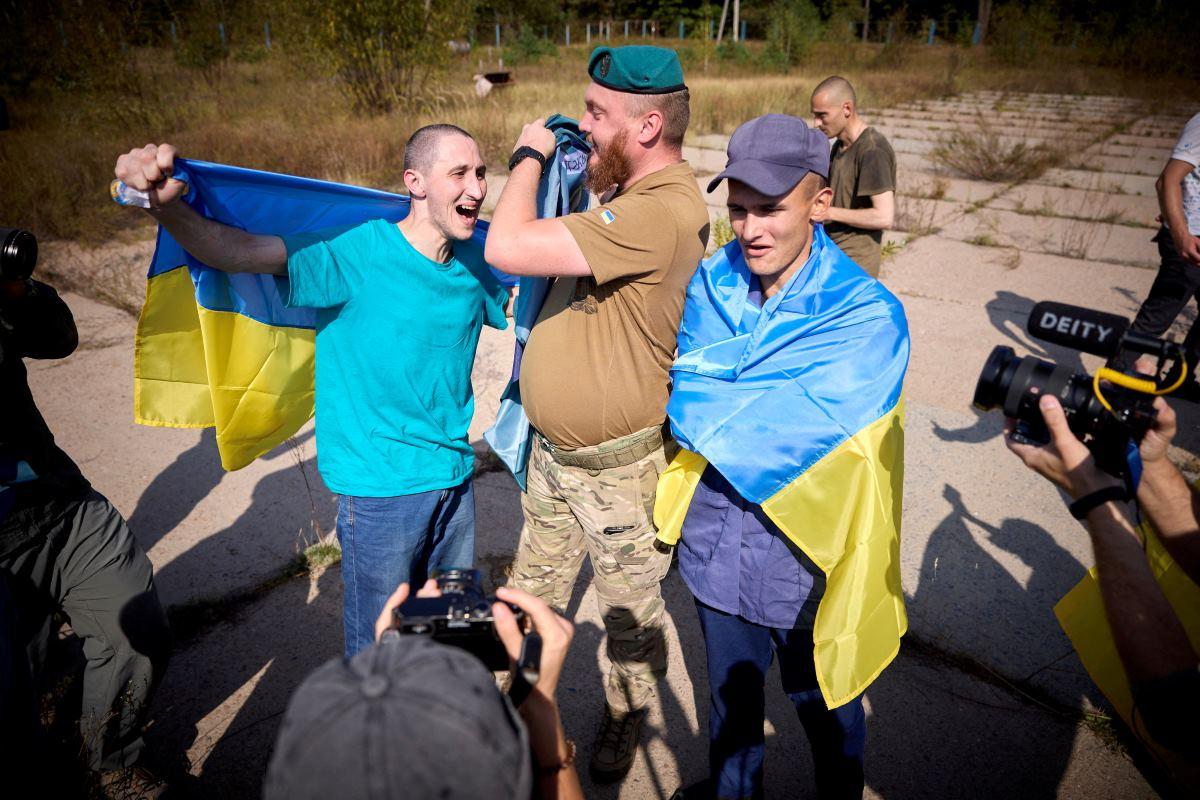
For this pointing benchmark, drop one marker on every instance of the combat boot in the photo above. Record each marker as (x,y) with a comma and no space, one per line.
(616,744)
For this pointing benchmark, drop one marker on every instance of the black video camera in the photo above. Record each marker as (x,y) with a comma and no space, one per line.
(1107,410)
(462,617)
(18,254)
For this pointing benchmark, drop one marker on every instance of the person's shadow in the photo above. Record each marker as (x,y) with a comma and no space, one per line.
(282,632)
(928,715)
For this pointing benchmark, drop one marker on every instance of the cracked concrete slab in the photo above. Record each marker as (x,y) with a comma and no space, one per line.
(1084,203)
(1095,241)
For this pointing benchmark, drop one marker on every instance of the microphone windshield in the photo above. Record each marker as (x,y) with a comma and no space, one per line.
(1094,332)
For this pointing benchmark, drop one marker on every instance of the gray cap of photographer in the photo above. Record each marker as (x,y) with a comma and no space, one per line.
(406,718)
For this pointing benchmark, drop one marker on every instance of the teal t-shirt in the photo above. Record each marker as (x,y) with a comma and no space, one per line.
(395,343)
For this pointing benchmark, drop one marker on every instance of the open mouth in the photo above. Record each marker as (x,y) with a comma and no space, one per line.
(467,214)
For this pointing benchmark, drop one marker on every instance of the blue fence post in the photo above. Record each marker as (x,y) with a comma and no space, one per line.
(932,31)
(174,35)
(267,34)
(977,35)
(497,34)
(545,31)
(221,30)
(710,28)
(681,24)
(568,34)
(626,29)
(743,36)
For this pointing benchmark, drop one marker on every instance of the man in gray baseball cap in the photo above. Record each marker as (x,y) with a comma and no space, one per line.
(784,339)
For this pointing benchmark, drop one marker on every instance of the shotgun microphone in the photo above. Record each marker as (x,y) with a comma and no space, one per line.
(1084,329)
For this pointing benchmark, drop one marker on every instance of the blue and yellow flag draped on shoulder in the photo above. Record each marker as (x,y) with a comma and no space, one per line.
(799,405)
(215,349)
(560,192)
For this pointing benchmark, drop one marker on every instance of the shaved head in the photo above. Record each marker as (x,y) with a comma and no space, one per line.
(837,90)
(421,149)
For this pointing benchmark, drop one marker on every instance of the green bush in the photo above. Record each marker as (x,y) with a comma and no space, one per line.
(528,48)
(1019,36)
(385,51)
(734,52)
(795,26)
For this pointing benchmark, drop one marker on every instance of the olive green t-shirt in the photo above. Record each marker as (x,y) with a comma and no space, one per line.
(865,168)
(595,367)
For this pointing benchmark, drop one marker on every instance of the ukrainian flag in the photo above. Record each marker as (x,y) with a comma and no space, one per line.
(216,349)
(799,405)
(1082,617)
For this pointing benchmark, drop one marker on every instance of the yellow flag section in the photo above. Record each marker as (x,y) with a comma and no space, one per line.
(1081,615)
(196,368)
(844,512)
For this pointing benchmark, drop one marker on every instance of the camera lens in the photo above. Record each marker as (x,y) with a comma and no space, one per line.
(995,378)
(18,254)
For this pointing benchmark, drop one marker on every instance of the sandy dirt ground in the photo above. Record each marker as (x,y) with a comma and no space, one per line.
(983,701)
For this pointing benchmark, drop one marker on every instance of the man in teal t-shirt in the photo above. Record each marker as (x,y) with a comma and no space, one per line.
(399,312)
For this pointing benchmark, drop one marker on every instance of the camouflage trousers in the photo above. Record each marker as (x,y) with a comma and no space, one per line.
(609,515)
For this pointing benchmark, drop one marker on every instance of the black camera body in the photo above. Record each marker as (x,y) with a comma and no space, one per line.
(1109,422)
(462,617)
(18,254)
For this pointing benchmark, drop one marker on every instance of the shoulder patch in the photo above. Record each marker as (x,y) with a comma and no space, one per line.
(607,216)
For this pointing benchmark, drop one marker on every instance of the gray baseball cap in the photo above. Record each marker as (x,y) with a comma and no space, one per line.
(407,717)
(772,153)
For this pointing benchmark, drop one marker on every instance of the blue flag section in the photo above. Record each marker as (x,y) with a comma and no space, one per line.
(561,192)
(215,349)
(799,405)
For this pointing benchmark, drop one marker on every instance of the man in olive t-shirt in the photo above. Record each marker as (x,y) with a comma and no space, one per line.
(862,174)
(594,373)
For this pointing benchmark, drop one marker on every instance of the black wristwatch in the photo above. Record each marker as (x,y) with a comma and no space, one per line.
(523,152)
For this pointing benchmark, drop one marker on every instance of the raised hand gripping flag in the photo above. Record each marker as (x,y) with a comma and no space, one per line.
(560,192)
(217,349)
(799,405)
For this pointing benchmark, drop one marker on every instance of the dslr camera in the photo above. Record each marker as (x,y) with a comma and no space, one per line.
(18,254)
(462,617)
(1110,410)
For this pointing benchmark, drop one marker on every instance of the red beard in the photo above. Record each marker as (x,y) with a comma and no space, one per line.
(611,167)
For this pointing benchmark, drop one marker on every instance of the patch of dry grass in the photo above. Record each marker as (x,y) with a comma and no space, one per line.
(980,153)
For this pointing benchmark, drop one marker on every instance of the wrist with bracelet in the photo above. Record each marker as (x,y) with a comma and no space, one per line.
(524,152)
(1087,503)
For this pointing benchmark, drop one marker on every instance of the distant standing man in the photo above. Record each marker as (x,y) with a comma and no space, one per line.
(399,311)
(1178,239)
(594,372)
(862,174)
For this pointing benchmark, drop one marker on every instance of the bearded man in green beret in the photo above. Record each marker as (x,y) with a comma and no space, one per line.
(594,373)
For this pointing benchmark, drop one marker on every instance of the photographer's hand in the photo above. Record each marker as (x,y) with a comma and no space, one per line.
(384,621)
(1172,506)
(1065,461)
(555,631)
(553,755)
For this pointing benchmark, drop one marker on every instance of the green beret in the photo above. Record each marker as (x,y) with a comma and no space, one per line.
(638,69)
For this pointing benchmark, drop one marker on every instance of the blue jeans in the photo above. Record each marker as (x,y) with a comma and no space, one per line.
(387,541)
(739,654)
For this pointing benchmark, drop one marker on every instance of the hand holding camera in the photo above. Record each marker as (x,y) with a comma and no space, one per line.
(1065,461)
(513,630)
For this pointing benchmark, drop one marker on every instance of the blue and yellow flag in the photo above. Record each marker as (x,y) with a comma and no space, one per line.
(215,349)
(799,405)
(1082,617)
